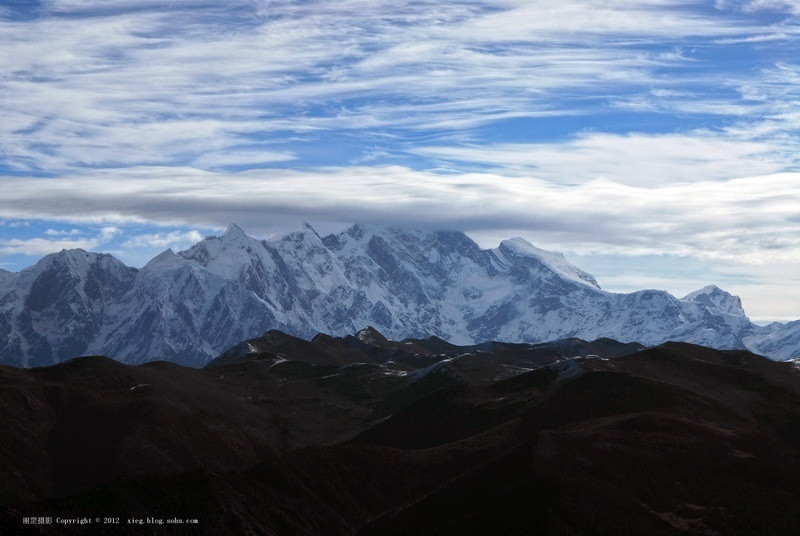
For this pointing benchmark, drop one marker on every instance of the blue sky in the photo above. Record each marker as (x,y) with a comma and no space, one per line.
(653,142)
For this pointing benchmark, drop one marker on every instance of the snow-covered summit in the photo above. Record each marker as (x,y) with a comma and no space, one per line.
(556,262)
(225,255)
(192,305)
(714,297)
(234,232)
(71,265)
(166,260)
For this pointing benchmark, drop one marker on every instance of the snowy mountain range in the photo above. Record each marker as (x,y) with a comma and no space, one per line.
(190,306)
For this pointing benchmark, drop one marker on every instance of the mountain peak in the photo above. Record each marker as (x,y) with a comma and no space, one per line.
(74,253)
(223,254)
(370,335)
(360,231)
(305,237)
(76,260)
(519,247)
(307,227)
(522,247)
(165,259)
(234,232)
(714,297)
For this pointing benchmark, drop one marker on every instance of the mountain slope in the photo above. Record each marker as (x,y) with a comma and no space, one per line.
(676,439)
(54,309)
(189,306)
(267,395)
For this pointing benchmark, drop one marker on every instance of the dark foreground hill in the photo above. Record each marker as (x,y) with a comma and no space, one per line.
(361,435)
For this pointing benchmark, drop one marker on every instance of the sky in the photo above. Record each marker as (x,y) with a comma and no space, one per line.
(653,142)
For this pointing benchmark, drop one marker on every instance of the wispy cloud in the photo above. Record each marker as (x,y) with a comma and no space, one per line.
(148,83)
(789,6)
(635,158)
(754,218)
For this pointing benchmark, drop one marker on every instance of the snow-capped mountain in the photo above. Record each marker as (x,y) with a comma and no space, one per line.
(192,305)
(714,297)
(778,341)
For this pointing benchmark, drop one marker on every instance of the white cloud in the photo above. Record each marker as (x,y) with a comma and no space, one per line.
(636,159)
(791,6)
(146,83)
(43,246)
(38,246)
(108,233)
(752,219)
(580,17)
(749,6)
(58,232)
(175,240)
